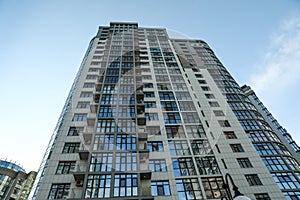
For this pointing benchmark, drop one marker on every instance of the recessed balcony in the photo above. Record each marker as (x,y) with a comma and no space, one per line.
(83,154)
(145,175)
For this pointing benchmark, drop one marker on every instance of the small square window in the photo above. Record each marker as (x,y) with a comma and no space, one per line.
(253,179)
(218,113)
(205,88)
(210,96)
(244,162)
(263,196)
(236,147)
(214,104)
(224,123)
(229,135)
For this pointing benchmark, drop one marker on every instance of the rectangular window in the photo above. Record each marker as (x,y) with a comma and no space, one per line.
(183,96)
(79,117)
(86,94)
(155,146)
(218,113)
(169,106)
(213,104)
(244,162)
(126,162)
(236,147)
(149,94)
(229,135)
(195,131)
(172,118)
(213,187)
(104,142)
(158,165)
(91,77)
(160,188)
(175,132)
(126,185)
(126,142)
(207,165)
(186,106)
(98,186)
(286,180)
(71,148)
(74,131)
(106,126)
(65,167)
(190,117)
(205,88)
(253,179)
(184,167)
(224,123)
(166,96)
(101,162)
(88,85)
(150,104)
(179,147)
(201,147)
(59,191)
(262,196)
(83,105)
(188,188)
(210,96)
(151,116)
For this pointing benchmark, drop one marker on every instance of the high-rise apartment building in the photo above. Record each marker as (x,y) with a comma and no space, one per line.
(15,183)
(150,117)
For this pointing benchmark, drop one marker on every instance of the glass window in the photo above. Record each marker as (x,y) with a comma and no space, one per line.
(73,131)
(262,196)
(71,148)
(201,147)
(172,118)
(275,163)
(236,147)
(253,179)
(126,162)
(195,131)
(150,104)
(213,187)
(86,94)
(265,148)
(126,142)
(183,96)
(175,132)
(286,180)
(213,104)
(65,167)
(79,117)
(229,135)
(190,117)
(169,106)
(188,188)
(184,167)
(160,188)
(166,96)
(155,146)
(83,105)
(88,85)
(101,162)
(59,191)
(104,142)
(153,130)
(179,147)
(158,165)
(207,165)
(149,94)
(151,116)
(244,162)
(224,123)
(218,113)
(98,186)
(126,185)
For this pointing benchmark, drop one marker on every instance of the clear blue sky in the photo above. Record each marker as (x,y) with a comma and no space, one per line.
(43,42)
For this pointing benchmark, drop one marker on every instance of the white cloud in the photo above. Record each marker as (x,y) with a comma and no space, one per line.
(280,67)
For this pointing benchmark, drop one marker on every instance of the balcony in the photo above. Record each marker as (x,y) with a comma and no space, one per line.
(79,178)
(91,120)
(141,120)
(145,175)
(142,136)
(140,108)
(96,97)
(94,107)
(83,154)
(98,87)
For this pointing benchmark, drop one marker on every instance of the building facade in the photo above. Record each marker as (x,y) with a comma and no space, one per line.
(150,117)
(15,183)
